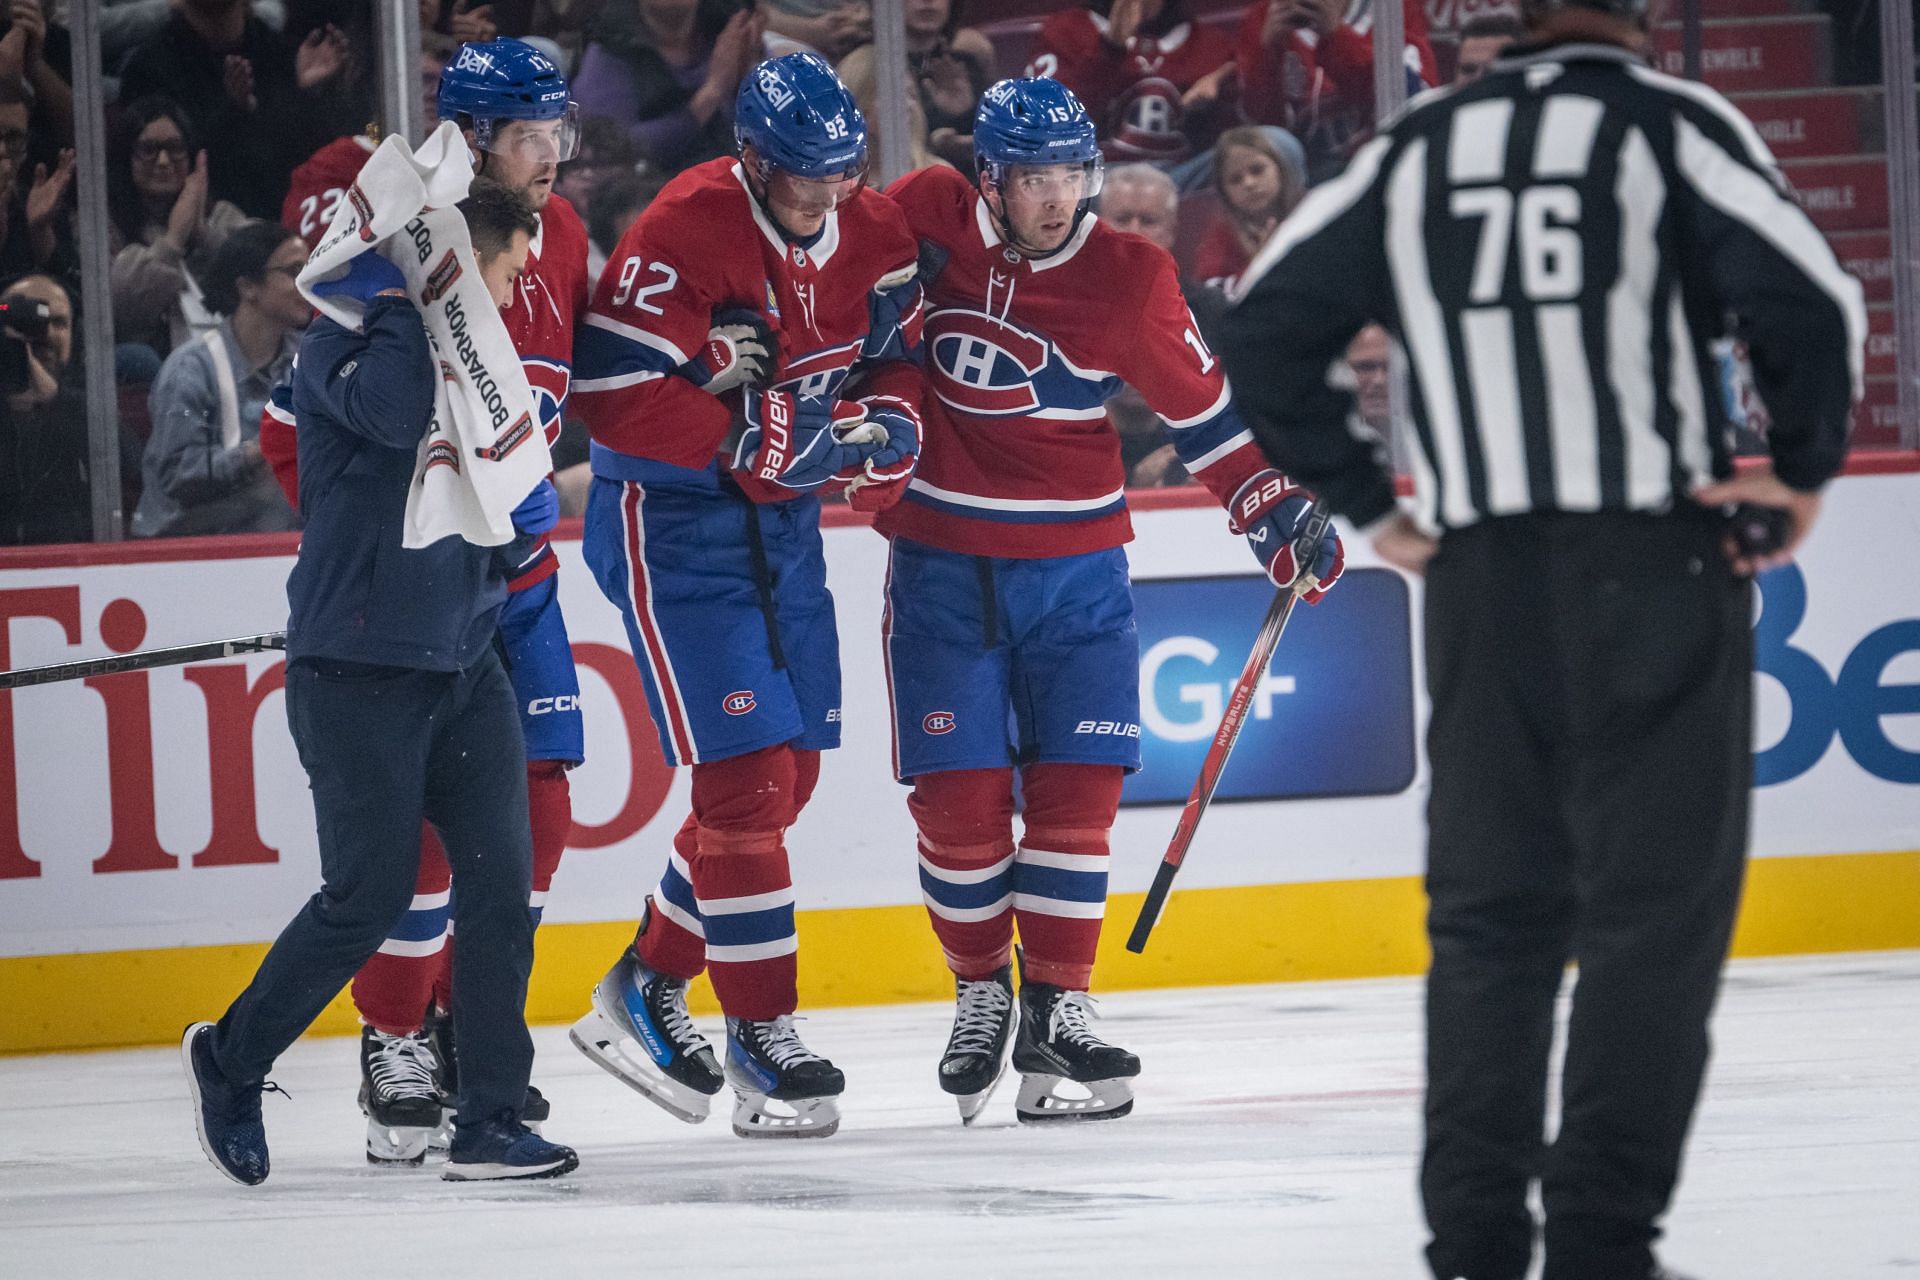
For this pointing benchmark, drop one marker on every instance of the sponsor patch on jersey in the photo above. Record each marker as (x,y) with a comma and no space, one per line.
(509,440)
(440,279)
(937,722)
(738,703)
(984,365)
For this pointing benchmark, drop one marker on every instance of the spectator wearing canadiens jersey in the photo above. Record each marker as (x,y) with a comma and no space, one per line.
(513,106)
(1009,627)
(742,355)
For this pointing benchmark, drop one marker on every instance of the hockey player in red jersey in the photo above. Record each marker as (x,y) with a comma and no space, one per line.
(1009,626)
(513,106)
(710,442)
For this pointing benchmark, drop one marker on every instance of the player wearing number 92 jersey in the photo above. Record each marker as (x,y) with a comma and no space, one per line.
(780,282)
(1009,629)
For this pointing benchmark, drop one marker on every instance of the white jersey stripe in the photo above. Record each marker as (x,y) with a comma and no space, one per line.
(1571,422)
(1488,335)
(1014,504)
(1641,194)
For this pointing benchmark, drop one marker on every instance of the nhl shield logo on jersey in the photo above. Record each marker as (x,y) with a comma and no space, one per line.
(983,364)
(938,722)
(738,703)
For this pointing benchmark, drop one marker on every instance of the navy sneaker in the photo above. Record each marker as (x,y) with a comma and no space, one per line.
(503,1147)
(225,1115)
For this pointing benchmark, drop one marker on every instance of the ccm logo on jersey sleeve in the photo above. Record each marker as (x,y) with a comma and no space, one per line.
(738,703)
(554,705)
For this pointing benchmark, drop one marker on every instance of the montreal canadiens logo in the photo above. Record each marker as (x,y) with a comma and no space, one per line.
(984,365)
(738,703)
(549,380)
(937,722)
(818,373)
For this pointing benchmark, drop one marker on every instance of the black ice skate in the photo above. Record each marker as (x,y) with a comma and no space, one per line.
(1067,1072)
(446,1075)
(398,1096)
(781,1088)
(639,1031)
(976,1057)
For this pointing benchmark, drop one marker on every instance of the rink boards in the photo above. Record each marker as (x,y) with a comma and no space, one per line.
(155,829)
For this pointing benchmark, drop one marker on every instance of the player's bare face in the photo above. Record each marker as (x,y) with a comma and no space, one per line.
(501,271)
(526,155)
(801,205)
(1040,202)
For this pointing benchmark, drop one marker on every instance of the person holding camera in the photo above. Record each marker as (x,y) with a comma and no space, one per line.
(43,419)
(394,646)
(203,468)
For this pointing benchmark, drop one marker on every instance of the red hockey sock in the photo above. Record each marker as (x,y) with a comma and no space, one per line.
(550,804)
(392,990)
(741,884)
(966,865)
(1060,869)
(672,939)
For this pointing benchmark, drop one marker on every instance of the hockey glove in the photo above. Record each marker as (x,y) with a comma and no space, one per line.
(880,481)
(539,511)
(1270,513)
(739,352)
(795,444)
(364,278)
(894,316)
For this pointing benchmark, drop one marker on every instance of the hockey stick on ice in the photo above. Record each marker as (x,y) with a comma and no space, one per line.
(1306,550)
(143,660)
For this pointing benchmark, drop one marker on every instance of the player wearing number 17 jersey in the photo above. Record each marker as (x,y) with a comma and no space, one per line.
(1007,594)
(733,316)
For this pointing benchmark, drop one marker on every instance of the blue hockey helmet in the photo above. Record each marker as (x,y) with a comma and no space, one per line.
(799,119)
(502,80)
(1035,123)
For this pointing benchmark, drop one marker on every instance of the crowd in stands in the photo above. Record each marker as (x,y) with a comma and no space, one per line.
(235,125)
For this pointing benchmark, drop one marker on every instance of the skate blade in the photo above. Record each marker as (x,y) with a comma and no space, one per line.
(395,1146)
(624,1059)
(972,1104)
(755,1115)
(1045,1098)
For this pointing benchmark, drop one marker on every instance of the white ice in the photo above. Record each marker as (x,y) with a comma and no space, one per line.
(1275,1135)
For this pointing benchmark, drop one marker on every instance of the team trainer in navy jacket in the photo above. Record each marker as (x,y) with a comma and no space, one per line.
(401,711)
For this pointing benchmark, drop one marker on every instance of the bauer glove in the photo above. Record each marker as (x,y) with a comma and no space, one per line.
(1270,514)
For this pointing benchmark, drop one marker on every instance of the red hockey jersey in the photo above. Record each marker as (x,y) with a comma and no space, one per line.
(705,245)
(320,183)
(1134,94)
(1018,457)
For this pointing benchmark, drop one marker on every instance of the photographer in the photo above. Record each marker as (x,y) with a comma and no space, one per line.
(43,419)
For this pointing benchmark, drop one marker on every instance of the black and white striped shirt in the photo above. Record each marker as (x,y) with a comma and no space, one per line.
(1556,247)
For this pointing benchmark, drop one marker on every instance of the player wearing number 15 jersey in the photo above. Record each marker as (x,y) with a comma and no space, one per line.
(733,316)
(1007,594)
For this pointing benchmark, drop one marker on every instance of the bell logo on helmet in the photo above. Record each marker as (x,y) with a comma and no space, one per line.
(775,88)
(472,59)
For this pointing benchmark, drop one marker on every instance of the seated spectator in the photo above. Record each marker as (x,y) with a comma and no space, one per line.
(605,151)
(163,231)
(668,70)
(262,103)
(36,232)
(1482,39)
(1257,186)
(1148,75)
(1370,362)
(616,202)
(1307,66)
(1143,200)
(830,28)
(38,57)
(951,66)
(204,470)
(44,458)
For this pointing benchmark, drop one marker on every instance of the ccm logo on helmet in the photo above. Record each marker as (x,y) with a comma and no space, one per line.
(738,703)
(550,706)
(938,722)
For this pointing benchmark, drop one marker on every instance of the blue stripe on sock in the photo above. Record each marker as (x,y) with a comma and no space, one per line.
(675,889)
(961,896)
(421,926)
(1062,886)
(749,927)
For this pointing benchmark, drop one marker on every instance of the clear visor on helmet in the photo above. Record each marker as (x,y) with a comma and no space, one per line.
(1051,183)
(554,141)
(813,196)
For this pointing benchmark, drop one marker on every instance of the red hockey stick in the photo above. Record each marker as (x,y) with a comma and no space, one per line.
(1306,549)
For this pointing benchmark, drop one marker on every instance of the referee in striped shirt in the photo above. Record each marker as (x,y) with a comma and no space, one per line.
(1556,246)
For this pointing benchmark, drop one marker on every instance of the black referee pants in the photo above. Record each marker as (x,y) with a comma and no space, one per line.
(1591,678)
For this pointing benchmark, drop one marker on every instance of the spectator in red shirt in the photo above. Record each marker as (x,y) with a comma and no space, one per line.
(1258,186)
(1307,65)
(1146,72)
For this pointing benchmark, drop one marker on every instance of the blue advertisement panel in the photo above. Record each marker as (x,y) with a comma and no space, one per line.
(1332,717)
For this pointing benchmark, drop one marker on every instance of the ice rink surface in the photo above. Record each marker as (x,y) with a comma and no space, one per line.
(1275,1135)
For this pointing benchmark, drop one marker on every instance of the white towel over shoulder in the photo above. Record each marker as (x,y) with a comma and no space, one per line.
(485,451)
